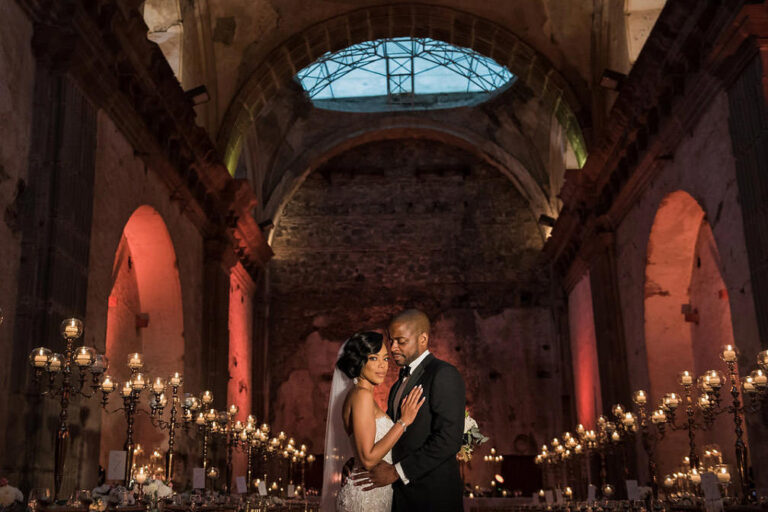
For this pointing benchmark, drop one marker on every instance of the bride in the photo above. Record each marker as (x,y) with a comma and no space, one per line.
(358,428)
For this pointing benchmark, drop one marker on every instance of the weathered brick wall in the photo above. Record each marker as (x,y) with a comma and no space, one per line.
(395,224)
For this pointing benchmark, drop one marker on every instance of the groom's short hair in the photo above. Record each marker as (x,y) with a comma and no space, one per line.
(415,317)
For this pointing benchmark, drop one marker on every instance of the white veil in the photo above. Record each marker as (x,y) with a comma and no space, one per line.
(338,446)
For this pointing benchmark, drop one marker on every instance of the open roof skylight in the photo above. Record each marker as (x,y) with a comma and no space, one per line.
(399,69)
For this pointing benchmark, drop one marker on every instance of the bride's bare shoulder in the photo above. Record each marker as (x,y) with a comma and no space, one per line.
(360,397)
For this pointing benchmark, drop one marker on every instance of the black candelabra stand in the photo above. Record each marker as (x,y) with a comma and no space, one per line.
(60,369)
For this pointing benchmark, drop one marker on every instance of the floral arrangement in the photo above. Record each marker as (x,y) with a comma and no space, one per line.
(472,438)
(156,489)
(9,495)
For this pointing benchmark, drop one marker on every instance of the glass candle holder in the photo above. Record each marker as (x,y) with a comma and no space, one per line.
(71,329)
(55,363)
(39,357)
(729,353)
(84,357)
(135,361)
(640,397)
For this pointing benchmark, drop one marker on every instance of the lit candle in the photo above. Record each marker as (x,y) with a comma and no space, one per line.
(723,476)
(200,420)
(175,379)
(672,400)
(728,354)
(141,476)
(629,419)
(580,429)
(704,401)
(615,437)
(669,482)
(127,389)
(158,386)
(39,357)
(83,357)
(658,416)
(135,361)
(108,385)
(207,397)
(233,410)
(686,379)
(310,458)
(748,385)
(759,379)
(71,328)
(210,415)
(695,476)
(714,379)
(640,398)
(138,381)
(55,363)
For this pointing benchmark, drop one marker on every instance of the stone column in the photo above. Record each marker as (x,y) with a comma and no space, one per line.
(219,260)
(56,217)
(611,346)
(609,327)
(749,134)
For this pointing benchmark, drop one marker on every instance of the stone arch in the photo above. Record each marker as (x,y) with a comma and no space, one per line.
(399,127)
(144,315)
(401,20)
(687,313)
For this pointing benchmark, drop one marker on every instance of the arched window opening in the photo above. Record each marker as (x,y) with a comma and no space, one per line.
(402,73)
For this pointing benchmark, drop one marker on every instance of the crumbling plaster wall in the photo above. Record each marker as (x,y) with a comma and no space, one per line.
(393,224)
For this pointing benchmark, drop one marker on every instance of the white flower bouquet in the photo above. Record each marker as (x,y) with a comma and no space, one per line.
(472,438)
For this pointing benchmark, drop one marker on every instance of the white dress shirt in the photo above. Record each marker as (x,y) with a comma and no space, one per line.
(415,364)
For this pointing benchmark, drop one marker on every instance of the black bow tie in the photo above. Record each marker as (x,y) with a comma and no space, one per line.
(405,371)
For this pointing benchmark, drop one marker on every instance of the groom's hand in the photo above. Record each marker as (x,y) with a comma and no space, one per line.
(380,475)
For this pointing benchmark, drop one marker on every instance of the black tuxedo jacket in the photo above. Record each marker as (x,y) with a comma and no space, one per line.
(427,451)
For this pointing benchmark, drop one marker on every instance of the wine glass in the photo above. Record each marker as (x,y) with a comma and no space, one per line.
(39,497)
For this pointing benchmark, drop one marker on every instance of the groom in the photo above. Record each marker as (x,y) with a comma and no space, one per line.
(425,475)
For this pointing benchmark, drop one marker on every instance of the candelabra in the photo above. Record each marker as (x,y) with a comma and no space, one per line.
(85,359)
(230,430)
(206,424)
(131,394)
(648,437)
(157,405)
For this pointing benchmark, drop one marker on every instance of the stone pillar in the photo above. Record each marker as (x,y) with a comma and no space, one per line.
(611,346)
(219,259)
(609,327)
(56,217)
(749,134)
(260,381)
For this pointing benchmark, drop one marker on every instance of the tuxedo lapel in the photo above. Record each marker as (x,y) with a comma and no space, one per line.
(392,391)
(417,374)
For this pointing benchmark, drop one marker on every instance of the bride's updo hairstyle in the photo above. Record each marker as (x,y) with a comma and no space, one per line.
(356,352)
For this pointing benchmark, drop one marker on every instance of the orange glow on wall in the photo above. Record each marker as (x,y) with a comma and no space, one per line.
(145,287)
(586,375)
(240,348)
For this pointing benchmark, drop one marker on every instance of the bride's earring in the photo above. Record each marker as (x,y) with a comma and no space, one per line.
(355,381)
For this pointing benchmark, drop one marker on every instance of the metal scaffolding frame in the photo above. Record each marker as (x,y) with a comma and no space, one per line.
(403,59)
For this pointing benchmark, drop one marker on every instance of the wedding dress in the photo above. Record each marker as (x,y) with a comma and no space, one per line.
(339,448)
(352,498)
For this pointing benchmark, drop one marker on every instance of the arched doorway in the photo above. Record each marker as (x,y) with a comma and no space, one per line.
(687,313)
(144,315)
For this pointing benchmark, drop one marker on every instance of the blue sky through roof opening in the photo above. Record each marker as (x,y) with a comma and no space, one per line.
(401,66)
